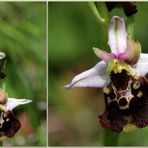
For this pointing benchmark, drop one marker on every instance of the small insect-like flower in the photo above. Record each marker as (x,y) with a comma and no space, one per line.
(122,75)
(9,124)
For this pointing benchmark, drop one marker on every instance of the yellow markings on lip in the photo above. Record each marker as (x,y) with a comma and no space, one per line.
(140,93)
(5,115)
(108,99)
(124,107)
(111,100)
(129,127)
(136,85)
(136,77)
(117,66)
(7,119)
(3,108)
(106,90)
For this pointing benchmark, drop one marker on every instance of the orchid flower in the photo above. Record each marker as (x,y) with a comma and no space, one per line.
(122,75)
(9,124)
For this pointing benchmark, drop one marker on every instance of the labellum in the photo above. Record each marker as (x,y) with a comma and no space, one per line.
(9,124)
(125,99)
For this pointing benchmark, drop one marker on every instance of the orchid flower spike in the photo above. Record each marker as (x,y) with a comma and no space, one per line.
(9,124)
(122,75)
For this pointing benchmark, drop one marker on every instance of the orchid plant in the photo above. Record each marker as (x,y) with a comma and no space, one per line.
(9,124)
(122,74)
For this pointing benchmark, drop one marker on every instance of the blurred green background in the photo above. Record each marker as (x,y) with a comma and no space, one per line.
(23,39)
(73,114)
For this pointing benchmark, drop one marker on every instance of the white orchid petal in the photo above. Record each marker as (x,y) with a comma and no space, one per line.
(94,77)
(12,103)
(121,35)
(112,36)
(142,65)
(117,35)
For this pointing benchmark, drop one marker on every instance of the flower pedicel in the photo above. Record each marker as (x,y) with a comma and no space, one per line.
(122,75)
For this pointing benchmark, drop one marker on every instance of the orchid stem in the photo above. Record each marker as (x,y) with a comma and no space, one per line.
(4,85)
(103,11)
(93,8)
(110,138)
(1,143)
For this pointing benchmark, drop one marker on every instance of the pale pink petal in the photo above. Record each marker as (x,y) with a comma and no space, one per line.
(142,65)
(112,42)
(121,35)
(94,77)
(117,35)
(103,55)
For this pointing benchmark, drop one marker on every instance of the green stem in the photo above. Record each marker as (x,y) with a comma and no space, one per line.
(130,26)
(4,85)
(102,9)
(110,138)
(104,37)
(93,9)
(1,143)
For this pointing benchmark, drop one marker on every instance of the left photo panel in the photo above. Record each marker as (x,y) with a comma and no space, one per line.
(23,103)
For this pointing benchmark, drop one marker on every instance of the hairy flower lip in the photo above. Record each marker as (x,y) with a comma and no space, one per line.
(9,124)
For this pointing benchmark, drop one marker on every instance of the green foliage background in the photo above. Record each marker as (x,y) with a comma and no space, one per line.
(73,114)
(23,39)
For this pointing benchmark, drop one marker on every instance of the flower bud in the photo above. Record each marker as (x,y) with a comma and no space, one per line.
(129,8)
(3,96)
